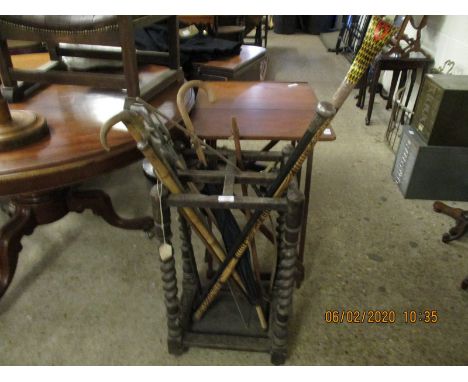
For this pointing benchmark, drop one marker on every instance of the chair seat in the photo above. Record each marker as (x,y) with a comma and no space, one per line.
(62,22)
(79,32)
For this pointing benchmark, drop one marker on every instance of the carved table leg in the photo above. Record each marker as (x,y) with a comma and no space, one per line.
(22,223)
(461,219)
(32,210)
(285,278)
(100,203)
(162,221)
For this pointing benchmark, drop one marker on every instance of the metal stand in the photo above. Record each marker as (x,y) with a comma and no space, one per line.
(222,326)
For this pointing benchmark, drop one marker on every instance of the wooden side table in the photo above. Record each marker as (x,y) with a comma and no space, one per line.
(249,65)
(399,66)
(41,178)
(273,111)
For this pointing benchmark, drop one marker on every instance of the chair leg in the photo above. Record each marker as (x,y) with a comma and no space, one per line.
(5,65)
(373,89)
(129,59)
(174,50)
(9,87)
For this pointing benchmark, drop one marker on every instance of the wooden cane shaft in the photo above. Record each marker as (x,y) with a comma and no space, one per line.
(240,163)
(185,116)
(216,288)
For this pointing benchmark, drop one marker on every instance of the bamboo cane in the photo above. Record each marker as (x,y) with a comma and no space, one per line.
(248,214)
(184,114)
(134,124)
(378,34)
(252,245)
(201,155)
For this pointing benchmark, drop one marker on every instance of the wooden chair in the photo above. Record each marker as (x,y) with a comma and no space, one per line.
(230,27)
(401,44)
(114,32)
(260,25)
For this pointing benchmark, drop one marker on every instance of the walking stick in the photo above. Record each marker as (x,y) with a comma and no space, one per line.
(164,160)
(135,125)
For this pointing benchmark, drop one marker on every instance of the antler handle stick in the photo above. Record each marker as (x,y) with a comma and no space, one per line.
(136,127)
(134,123)
(378,34)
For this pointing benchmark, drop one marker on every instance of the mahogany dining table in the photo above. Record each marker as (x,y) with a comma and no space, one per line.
(41,179)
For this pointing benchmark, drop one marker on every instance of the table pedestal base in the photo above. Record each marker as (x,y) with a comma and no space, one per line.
(36,209)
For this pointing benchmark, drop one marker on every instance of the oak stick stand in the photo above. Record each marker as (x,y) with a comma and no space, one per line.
(222,326)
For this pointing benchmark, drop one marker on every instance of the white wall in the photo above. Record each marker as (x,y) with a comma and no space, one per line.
(446,38)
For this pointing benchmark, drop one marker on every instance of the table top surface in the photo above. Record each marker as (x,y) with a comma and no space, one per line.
(264,110)
(73,151)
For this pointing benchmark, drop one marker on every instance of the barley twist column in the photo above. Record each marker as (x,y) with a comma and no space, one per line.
(286,273)
(162,221)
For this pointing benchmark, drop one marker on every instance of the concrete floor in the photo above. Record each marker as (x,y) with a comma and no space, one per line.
(86,293)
